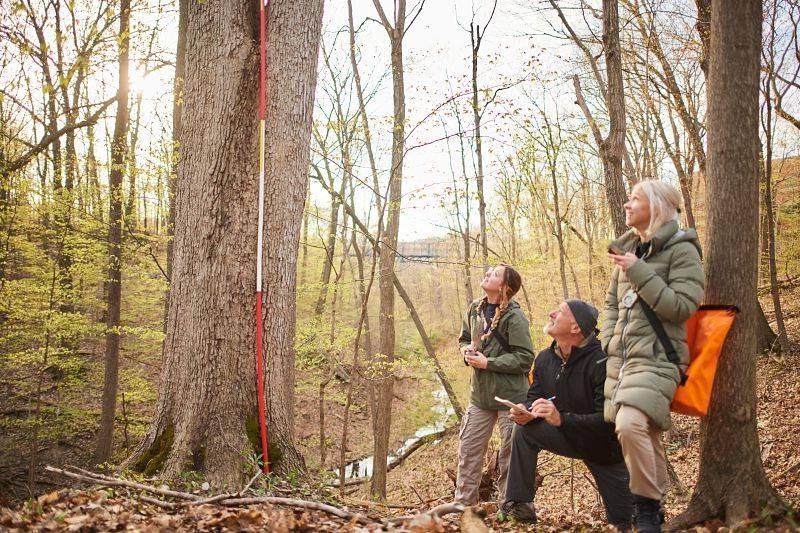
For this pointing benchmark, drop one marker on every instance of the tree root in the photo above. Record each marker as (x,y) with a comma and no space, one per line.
(695,513)
(699,511)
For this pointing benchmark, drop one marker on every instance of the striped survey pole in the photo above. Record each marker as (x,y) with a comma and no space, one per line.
(262,115)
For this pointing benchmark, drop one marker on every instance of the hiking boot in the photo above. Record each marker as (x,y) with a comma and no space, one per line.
(646,513)
(518,511)
(624,527)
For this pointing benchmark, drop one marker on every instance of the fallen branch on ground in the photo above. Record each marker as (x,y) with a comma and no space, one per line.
(100,479)
(220,497)
(368,503)
(291,502)
(156,501)
(193,499)
(438,512)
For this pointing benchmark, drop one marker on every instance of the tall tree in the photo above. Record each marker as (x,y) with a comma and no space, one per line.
(613,146)
(207,391)
(767,124)
(731,483)
(476,37)
(105,436)
(396,32)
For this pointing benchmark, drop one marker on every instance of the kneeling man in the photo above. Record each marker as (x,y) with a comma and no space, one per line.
(563,414)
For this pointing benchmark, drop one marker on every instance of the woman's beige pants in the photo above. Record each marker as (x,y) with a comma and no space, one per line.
(643,452)
(476,430)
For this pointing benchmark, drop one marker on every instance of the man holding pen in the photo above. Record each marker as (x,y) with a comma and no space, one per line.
(563,414)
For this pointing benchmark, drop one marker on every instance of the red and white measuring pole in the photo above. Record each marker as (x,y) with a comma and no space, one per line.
(262,115)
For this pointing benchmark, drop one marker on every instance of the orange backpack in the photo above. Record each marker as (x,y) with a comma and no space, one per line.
(705,334)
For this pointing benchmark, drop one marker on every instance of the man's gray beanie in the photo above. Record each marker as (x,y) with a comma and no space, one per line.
(585,315)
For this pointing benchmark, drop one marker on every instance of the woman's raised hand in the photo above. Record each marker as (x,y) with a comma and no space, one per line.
(624,262)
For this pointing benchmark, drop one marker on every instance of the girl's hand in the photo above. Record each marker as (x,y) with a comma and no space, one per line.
(476,360)
(624,262)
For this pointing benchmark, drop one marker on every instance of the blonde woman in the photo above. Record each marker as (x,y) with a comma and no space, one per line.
(657,272)
(496,342)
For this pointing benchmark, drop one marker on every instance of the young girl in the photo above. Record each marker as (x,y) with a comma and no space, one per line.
(659,264)
(496,342)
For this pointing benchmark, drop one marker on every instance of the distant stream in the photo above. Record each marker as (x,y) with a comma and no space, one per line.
(444,410)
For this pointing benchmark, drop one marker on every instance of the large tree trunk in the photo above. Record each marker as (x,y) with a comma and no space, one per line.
(731,483)
(105,436)
(207,391)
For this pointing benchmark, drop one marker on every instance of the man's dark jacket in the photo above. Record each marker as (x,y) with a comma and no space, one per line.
(578,388)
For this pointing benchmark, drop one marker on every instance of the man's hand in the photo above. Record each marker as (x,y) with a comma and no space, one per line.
(624,262)
(520,415)
(476,360)
(546,409)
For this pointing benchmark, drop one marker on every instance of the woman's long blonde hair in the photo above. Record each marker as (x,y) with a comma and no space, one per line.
(665,204)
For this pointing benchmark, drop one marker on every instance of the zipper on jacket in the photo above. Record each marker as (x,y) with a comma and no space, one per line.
(624,355)
(560,371)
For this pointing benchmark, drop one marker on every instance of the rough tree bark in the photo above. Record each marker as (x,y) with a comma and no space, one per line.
(703,27)
(732,484)
(613,147)
(105,436)
(207,391)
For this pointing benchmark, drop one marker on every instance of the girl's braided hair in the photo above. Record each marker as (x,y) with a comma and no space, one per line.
(512,282)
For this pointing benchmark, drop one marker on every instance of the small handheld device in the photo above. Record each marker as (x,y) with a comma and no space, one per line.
(616,250)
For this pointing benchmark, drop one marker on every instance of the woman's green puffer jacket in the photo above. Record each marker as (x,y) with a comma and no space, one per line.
(670,278)
(506,373)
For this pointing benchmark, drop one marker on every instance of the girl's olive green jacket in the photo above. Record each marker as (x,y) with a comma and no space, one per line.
(506,372)
(670,278)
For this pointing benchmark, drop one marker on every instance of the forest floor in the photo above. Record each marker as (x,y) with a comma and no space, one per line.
(566,500)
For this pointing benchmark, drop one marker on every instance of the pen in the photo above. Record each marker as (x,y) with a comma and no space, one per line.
(550,399)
